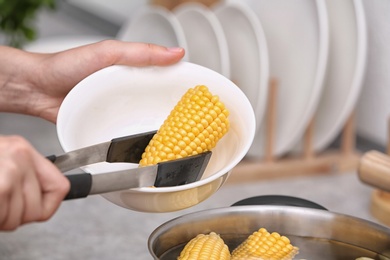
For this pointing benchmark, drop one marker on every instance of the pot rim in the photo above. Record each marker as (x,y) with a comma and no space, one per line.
(308,222)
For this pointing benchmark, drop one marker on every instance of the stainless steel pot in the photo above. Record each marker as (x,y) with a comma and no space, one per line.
(318,233)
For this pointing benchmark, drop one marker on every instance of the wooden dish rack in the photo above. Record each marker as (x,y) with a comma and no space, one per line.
(372,167)
(332,161)
(343,159)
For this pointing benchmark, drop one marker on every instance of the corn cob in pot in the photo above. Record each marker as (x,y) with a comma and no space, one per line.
(205,247)
(261,245)
(264,245)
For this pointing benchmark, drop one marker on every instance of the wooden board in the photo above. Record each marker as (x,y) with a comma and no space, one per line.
(380,200)
(327,162)
(380,206)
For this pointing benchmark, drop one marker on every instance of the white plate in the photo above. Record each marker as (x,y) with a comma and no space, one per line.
(248,52)
(119,100)
(206,42)
(297,39)
(61,43)
(153,24)
(114,11)
(346,65)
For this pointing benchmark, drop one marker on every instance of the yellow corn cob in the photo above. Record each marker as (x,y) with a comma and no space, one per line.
(263,245)
(205,247)
(194,126)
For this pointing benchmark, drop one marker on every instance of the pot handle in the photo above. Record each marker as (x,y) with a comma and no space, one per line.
(279,200)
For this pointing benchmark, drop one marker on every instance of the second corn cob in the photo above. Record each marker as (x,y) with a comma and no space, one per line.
(205,247)
(266,246)
(195,125)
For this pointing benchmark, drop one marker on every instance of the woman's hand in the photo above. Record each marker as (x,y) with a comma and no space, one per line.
(31,187)
(36,84)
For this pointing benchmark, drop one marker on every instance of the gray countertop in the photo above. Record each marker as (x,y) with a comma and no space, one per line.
(94,228)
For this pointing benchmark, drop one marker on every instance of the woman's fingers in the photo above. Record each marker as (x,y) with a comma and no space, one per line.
(11,194)
(111,52)
(15,206)
(54,186)
(32,194)
(143,54)
(31,187)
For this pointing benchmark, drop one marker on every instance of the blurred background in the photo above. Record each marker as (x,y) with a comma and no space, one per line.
(98,18)
(93,228)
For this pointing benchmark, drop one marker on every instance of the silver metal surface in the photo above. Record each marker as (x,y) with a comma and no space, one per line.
(319,234)
(81,157)
(122,180)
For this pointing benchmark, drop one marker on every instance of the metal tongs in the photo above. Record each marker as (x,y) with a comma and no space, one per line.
(126,149)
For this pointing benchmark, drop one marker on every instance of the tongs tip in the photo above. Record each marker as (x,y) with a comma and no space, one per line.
(182,171)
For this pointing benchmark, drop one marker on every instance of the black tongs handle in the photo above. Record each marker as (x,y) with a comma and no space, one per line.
(164,174)
(52,158)
(80,183)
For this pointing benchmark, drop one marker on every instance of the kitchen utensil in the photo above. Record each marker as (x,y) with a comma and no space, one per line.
(126,149)
(318,233)
(122,149)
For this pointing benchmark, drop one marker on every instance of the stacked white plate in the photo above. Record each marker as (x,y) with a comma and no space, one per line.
(297,37)
(153,24)
(61,43)
(315,49)
(248,52)
(346,66)
(206,43)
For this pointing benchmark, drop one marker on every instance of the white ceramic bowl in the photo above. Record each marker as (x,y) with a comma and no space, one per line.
(120,100)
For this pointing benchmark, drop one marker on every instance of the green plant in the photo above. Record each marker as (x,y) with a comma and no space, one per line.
(17,19)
